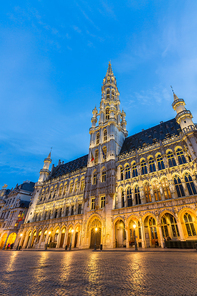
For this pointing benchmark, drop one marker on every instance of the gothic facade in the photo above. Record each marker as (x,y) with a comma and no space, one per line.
(141,186)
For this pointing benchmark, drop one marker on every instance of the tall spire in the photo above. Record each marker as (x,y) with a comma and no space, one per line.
(109,70)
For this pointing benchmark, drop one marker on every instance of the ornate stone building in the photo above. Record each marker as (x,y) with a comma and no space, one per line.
(147,181)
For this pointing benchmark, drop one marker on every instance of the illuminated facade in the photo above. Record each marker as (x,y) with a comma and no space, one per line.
(147,180)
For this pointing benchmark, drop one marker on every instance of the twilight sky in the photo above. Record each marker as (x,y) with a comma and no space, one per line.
(54,56)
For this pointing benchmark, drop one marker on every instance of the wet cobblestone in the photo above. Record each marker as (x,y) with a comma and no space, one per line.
(98,273)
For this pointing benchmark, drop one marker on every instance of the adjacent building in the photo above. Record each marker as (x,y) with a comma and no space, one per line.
(143,185)
(14,204)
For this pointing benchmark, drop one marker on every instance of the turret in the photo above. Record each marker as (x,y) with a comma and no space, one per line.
(44,172)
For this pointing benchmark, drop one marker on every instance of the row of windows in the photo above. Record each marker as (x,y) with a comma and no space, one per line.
(151,164)
(59,213)
(63,188)
(103,177)
(104,137)
(157,192)
(102,202)
(96,155)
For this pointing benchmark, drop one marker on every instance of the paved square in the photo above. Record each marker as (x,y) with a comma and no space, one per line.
(98,273)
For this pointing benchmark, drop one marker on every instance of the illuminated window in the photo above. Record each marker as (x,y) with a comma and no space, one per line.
(137,195)
(61,189)
(147,192)
(171,160)
(105,135)
(71,187)
(156,190)
(76,185)
(97,138)
(93,203)
(103,178)
(127,172)
(179,186)
(134,170)
(65,188)
(151,164)
(180,156)
(153,229)
(96,156)
(160,162)
(174,227)
(107,114)
(189,225)
(82,184)
(166,189)
(143,167)
(55,191)
(129,197)
(102,201)
(190,184)
(94,178)
(164,227)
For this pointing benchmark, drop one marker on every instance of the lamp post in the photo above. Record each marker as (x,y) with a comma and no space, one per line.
(134,226)
(95,238)
(71,239)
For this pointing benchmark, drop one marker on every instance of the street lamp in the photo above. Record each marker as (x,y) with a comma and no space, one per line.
(134,226)
(71,239)
(95,238)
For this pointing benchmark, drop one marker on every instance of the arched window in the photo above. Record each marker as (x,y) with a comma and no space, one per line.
(60,189)
(143,167)
(134,170)
(108,94)
(174,227)
(189,225)
(156,190)
(147,192)
(171,160)
(190,184)
(55,214)
(180,156)
(104,152)
(127,172)
(179,186)
(97,138)
(166,189)
(129,197)
(153,229)
(107,114)
(121,173)
(96,156)
(51,192)
(164,227)
(76,185)
(105,135)
(151,164)
(82,184)
(137,195)
(71,187)
(65,187)
(55,191)
(94,178)
(103,177)
(160,162)
(112,94)
(122,198)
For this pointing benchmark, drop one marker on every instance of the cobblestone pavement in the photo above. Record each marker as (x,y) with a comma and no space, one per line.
(98,273)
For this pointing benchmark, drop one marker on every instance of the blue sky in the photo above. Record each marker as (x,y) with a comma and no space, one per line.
(54,55)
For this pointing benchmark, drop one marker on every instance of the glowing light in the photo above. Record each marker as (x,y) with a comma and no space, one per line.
(49,232)
(21,234)
(72,230)
(96,229)
(134,226)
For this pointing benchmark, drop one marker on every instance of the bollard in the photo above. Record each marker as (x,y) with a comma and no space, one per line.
(101,247)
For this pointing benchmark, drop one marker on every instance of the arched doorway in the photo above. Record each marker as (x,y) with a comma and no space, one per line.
(3,239)
(62,237)
(33,239)
(28,240)
(135,232)
(11,240)
(120,234)
(56,235)
(39,235)
(76,237)
(70,234)
(169,227)
(95,233)
(150,228)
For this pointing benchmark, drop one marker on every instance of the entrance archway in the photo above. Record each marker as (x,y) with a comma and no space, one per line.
(62,237)
(77,231)
(169,227)
(3,239)
(33,239)
(120,234)
(150,228)
(11,239)
(95,232)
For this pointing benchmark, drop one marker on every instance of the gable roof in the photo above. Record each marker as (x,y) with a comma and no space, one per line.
(70,166)
(154,134)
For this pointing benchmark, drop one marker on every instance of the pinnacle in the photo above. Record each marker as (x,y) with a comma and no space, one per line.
(109,70)
(49,156)
(175,97)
